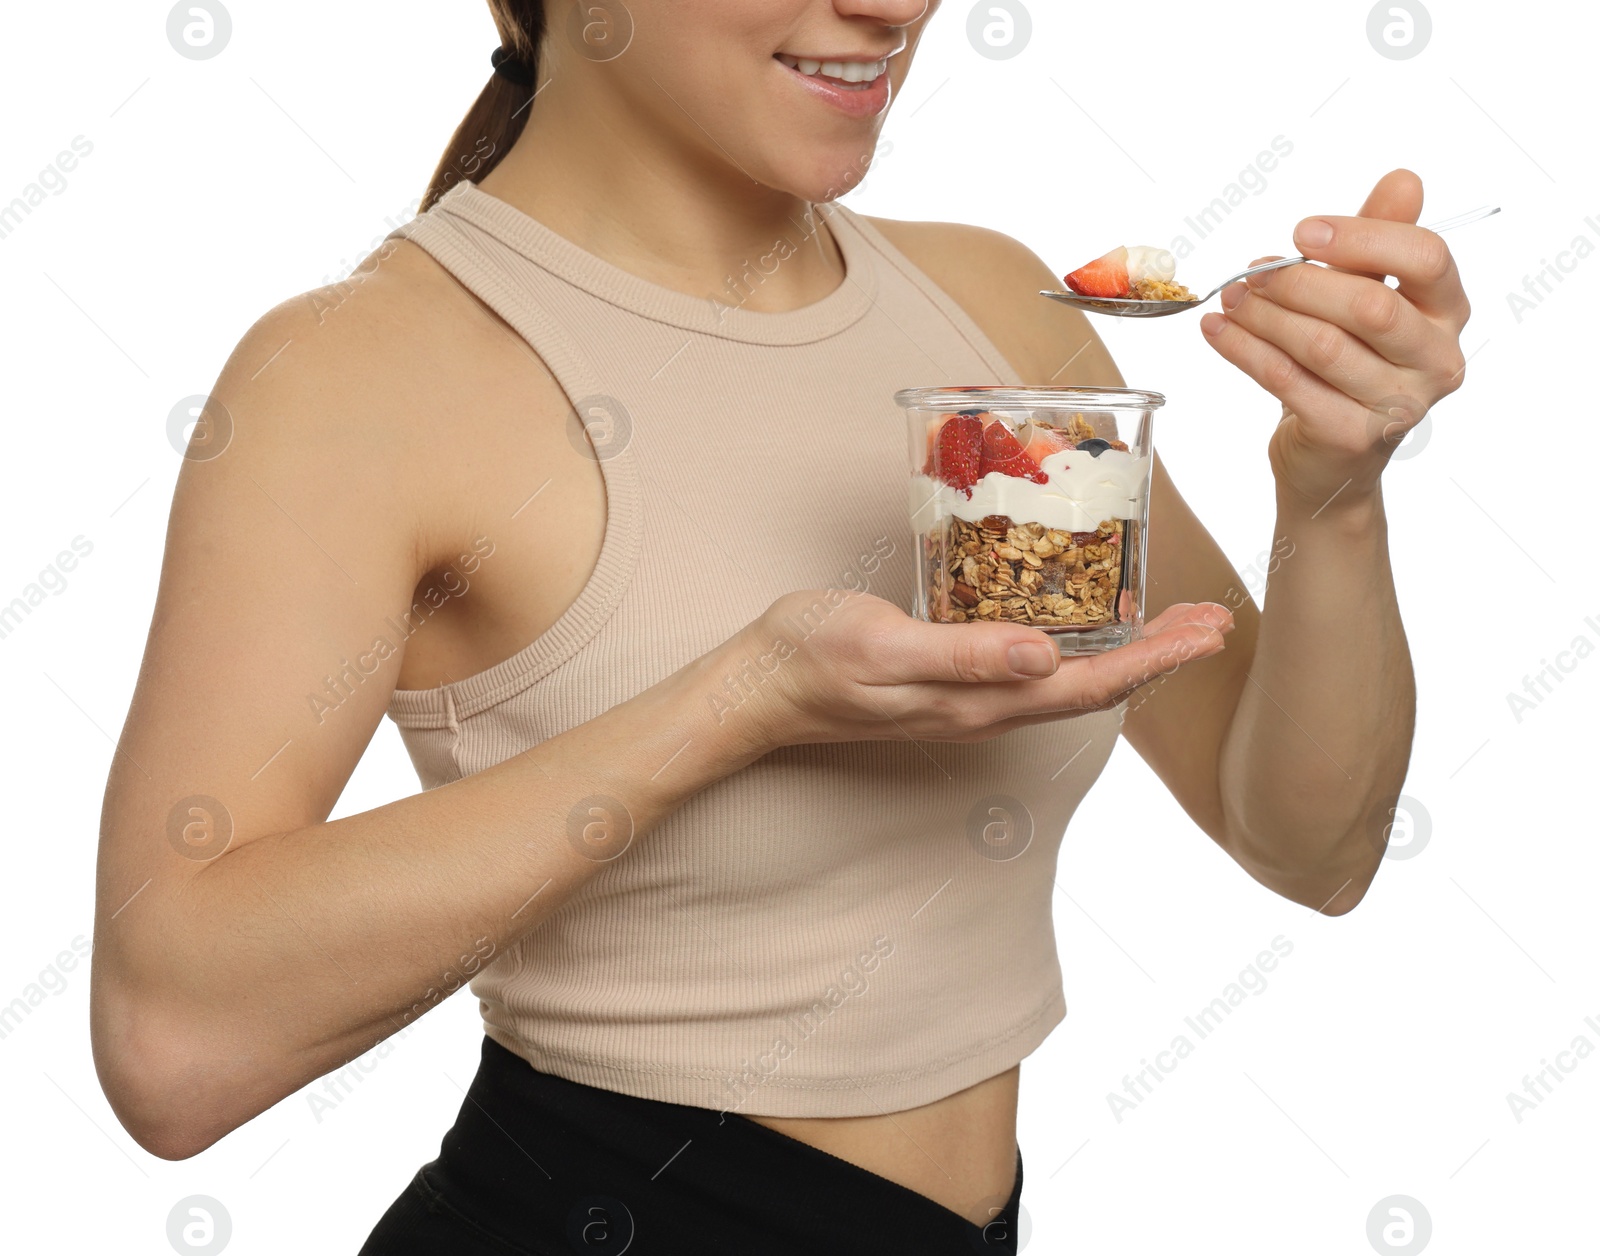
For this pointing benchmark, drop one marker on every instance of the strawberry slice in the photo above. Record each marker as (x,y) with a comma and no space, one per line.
(938,421)
(1044,441)
(957,452)
(1002,453)
(1104,277)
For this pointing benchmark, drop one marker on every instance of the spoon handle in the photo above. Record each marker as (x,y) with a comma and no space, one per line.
(1256,270)
(1461,220)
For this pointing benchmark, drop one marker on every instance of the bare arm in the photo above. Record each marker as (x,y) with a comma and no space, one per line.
(223,982)
(1316,753)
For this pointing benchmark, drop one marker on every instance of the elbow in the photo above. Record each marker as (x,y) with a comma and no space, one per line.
(162,1137)
(1331,880)
(1344,899)
(1328,890)
(157,1078)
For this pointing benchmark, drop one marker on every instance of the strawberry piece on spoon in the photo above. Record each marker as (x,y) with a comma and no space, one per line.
(1104,277)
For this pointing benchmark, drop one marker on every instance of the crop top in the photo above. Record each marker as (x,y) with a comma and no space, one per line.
(836,929)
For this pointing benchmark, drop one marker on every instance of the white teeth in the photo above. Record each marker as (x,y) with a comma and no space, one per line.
(847,71)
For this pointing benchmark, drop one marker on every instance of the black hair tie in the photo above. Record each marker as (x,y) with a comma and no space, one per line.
(510,67)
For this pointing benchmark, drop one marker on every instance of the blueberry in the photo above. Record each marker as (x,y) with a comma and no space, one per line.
(1094,446)
(971,414)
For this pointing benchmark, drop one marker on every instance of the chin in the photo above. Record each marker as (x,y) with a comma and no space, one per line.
(823,174)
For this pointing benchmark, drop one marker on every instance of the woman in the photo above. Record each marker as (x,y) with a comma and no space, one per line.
(550,481)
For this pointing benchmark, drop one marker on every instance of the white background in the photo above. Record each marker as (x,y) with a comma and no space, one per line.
(1377,1060)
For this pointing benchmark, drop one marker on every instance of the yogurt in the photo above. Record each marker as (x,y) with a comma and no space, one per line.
(1083,490)
(1145,261)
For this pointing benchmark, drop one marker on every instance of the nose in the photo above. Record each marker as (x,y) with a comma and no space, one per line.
(889,12)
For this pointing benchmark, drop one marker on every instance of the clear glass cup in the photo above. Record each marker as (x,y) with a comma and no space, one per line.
(1032,508)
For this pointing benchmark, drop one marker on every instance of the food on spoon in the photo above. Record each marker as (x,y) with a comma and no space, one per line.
(1142,272)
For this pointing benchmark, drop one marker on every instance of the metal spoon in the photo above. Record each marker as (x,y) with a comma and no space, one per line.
(1132,307)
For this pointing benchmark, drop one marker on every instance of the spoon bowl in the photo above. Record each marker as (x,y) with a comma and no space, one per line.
(1133,307)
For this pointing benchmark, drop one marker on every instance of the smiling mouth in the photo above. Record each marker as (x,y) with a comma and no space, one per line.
(849,75)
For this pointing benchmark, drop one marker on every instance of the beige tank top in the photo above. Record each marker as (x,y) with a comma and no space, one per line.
(836,929)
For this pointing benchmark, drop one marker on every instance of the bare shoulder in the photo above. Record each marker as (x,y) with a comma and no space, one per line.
(357,439)
(996,279)
(399,376)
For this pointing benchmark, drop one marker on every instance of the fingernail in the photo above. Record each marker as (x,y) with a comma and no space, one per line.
(1313,233)
(1032,658)
(1233,294)
(1212,324)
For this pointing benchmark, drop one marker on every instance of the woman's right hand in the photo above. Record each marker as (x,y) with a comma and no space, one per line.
(837,665)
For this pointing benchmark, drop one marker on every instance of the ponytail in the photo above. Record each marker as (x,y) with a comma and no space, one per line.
(501,110)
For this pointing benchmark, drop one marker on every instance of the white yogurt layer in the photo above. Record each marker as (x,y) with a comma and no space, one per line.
(1082,491)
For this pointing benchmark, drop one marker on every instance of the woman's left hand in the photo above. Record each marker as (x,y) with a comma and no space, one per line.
(1355,362)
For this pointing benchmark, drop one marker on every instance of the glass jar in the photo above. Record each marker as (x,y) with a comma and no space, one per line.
(1029,505)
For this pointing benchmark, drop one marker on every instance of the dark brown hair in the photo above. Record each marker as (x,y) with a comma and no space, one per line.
(497,117)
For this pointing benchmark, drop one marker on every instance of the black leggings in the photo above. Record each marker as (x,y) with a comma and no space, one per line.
(539,1165)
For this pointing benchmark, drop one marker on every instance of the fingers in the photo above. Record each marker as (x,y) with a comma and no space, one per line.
(1213,613)
(1417,257)
(1300,389)
(1102,681)
(1372,312)
(1098,682)
(911,650)
(1184,633)
(1327,351)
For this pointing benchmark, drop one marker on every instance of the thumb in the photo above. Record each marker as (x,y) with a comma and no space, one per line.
(1397,197)
(971,653)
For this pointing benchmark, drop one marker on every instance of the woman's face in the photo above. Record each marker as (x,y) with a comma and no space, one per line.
(720,78)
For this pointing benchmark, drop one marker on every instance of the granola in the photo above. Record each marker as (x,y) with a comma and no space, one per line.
(1162,290)
(999,569)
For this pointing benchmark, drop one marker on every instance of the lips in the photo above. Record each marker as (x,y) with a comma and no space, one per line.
(851,91)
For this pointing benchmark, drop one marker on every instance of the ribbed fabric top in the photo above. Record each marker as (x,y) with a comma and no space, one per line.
(836,929)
